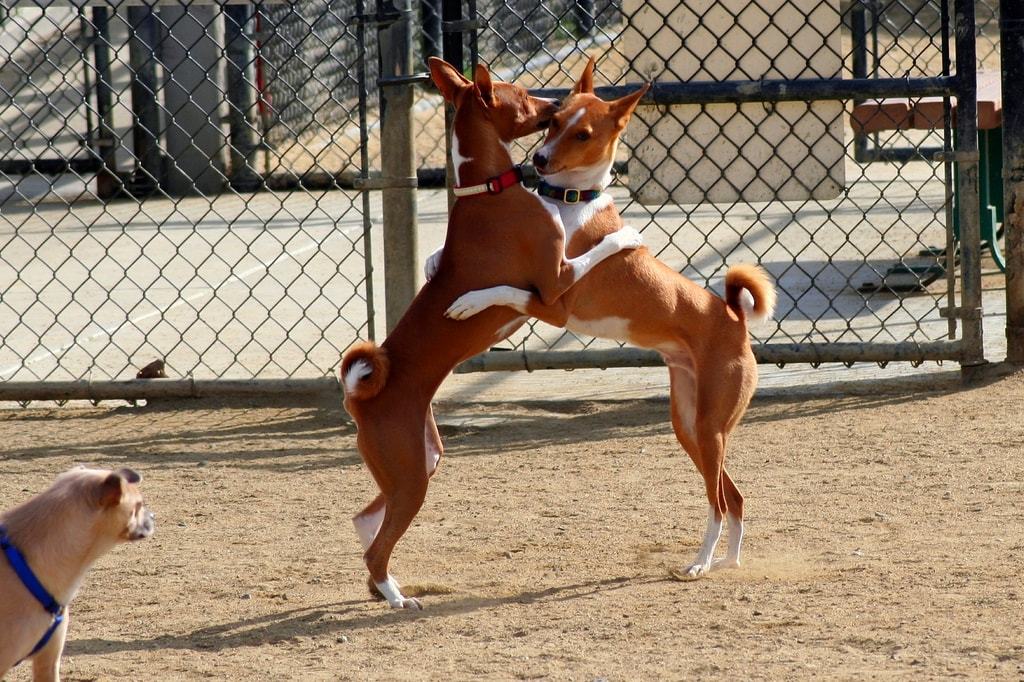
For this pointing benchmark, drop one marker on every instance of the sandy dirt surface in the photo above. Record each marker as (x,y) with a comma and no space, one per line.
(884,539)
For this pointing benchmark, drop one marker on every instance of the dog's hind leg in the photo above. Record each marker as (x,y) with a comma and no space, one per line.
(706,448)
(402,506)
(734,510)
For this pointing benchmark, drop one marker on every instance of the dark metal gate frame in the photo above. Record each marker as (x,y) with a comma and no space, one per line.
(968,350)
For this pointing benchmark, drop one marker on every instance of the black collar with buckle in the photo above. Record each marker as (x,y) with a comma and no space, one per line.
(567,196)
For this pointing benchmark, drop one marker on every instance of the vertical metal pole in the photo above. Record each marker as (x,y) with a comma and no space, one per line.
(239,48)
(142,41)
(967,187)
(451,11)
(859,36)
(108,184)
(1011,30)
(364,163)
(398,162)
(430,28)
(584,11)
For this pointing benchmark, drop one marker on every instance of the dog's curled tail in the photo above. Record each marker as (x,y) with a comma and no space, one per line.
(750,292)
(364,370)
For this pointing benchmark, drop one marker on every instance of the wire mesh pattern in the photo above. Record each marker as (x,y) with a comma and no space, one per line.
(176,180)
(173,185)
(865,265)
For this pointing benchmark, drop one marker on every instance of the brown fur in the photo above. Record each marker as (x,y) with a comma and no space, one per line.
(492,239)
(755,280)
(702,338)
(371,384)
(61,532)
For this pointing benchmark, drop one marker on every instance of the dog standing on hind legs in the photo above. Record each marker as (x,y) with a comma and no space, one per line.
(633,297)
(498,232)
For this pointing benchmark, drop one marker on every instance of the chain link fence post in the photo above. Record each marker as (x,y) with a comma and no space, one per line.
(1012,41)
(968,183)
(398,161)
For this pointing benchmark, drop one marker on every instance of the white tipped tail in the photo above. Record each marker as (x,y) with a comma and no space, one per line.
(749,292)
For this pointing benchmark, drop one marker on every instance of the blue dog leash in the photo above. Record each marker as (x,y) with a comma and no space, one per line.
(32,584)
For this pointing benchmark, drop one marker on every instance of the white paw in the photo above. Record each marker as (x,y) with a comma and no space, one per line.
(727,562)
(407,603)
(466,306)
(629,238)
(694,572)
(433,262)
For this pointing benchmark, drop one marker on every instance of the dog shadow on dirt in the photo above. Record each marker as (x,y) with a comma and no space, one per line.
(347,618)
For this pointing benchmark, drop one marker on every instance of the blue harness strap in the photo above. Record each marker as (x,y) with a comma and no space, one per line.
(32,584)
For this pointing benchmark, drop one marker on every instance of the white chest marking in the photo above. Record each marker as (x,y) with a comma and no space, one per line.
(575,216)
(615,328)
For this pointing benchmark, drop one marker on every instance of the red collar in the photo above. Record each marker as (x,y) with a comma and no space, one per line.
(495,185)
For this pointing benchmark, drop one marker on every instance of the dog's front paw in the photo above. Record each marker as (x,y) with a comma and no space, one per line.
(433,262)
(466,306)
(629,238)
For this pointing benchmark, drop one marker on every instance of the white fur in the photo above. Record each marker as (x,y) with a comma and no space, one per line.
(625,237)
(368,526)
(357,371)
(575,216)
(457,158)
(471,303)
(702,564)
(616,328)
(432,263)
(389,588)
(732,559)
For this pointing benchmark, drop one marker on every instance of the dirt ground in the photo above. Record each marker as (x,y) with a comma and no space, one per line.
(884,539)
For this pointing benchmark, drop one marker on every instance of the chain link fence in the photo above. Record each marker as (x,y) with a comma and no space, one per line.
(175,184)
(857,243)
(176,179)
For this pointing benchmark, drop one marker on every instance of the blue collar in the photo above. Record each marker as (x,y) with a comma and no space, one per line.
(32,584)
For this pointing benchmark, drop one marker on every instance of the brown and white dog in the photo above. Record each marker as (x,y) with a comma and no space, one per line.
(498,233)
(49,543)
(635,298)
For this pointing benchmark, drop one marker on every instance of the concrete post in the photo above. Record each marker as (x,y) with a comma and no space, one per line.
(142,41)
(1011,25)
(195,142)
(240,50)
(398,162)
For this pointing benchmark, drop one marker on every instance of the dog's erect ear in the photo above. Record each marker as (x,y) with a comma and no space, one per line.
(623,107)
(482,79)
(586,81)
(447,78)
(108,493)
(130,475)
